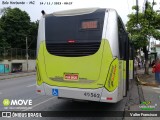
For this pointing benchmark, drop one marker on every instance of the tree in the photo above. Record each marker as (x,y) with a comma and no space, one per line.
(15,26)
(32,38)
(144,27)
(3,41)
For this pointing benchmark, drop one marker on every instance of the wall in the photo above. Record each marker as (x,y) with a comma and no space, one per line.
(158,51)
(31,64)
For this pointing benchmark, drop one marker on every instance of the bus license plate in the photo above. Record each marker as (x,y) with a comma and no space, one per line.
(71,76)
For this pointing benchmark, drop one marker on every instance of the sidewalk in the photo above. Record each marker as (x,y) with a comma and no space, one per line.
(17,74)
(144,96)
(146,80)
(151,90)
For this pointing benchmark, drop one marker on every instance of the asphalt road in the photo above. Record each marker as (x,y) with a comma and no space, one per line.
(24,88)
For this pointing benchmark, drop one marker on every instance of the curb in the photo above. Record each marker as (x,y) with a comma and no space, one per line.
(17,76)
(140,90)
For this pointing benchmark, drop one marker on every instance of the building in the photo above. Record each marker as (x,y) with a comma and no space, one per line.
(157,49)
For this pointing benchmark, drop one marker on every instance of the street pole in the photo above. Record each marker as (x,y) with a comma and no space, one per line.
(27,52)
(137,10)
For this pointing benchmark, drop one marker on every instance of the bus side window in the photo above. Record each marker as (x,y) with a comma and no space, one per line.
(122,39)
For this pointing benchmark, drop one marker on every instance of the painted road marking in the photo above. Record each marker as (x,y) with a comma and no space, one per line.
(31,85)
(39,104)
(157,91)
(157,88)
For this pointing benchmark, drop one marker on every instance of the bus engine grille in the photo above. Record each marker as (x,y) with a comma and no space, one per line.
(73,49)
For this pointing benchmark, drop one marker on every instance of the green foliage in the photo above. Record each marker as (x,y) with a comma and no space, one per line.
(135,7)
(148,23)
(15,25)
(32,38)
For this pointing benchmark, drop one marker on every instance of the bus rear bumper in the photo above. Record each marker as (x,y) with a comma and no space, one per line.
(79,93)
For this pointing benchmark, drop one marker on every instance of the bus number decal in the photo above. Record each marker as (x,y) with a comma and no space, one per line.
(95,95)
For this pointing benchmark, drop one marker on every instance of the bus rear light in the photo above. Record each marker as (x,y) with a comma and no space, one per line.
(71,41)
(109,98)
(38,90)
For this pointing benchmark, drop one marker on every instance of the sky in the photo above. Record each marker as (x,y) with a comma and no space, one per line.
(123,7)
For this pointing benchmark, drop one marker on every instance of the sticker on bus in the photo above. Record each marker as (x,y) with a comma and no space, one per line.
(71,76)
(55,92)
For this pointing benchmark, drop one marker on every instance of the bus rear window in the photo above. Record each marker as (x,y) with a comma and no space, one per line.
(74,36)
(82,28)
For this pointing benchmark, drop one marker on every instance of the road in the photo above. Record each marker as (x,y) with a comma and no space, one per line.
(24,88)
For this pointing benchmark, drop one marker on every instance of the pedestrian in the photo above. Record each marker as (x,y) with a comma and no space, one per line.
(157,71)
(142,63)
(153,63)
(135,66)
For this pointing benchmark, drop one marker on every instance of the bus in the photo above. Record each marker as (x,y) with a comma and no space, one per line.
(83,54)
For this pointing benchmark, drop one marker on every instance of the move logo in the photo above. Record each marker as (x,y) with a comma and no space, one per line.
(7,102)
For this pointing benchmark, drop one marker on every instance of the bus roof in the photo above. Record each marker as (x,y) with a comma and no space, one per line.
(73,12)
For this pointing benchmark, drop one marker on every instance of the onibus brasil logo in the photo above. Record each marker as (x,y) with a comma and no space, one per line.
(19,102)
(146,105)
